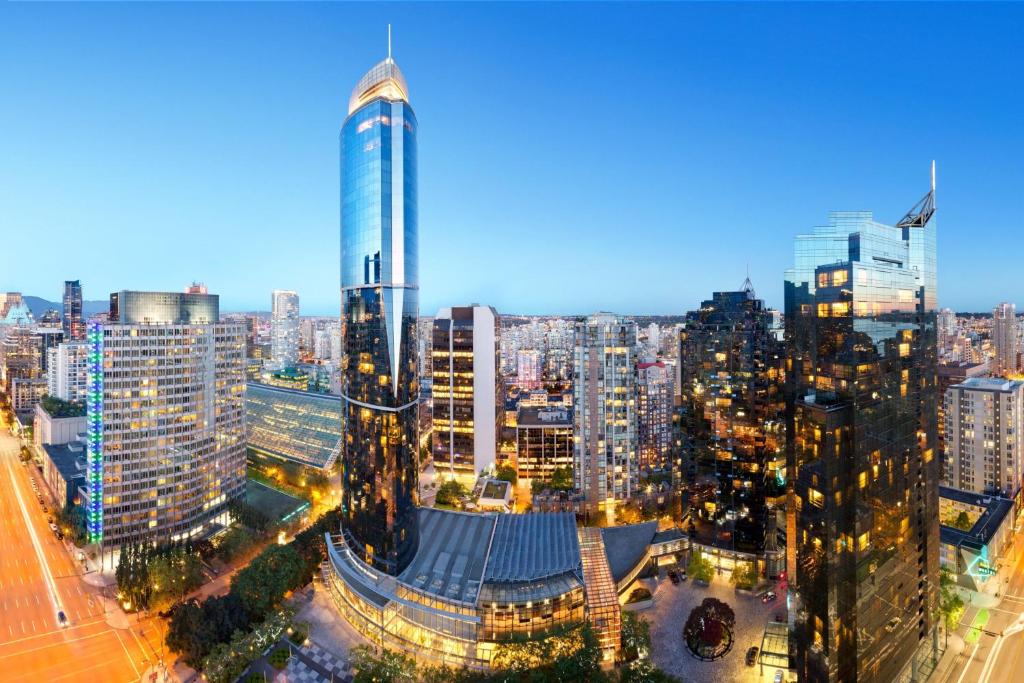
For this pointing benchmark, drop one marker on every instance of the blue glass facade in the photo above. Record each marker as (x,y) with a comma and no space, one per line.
(861,395)
(379,293)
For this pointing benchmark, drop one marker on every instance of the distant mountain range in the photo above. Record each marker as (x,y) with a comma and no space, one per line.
(39,306)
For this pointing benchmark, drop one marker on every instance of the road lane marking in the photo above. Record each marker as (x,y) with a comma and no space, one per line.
(970,660)
(56,643)
(128,655)
(51,587)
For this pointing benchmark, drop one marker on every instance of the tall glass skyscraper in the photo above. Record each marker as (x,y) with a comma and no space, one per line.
(862,459)
(379,294)
(73,324)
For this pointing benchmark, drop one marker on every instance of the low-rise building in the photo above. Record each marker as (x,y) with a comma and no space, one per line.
(976,532)
(51,430)
(64,471)
(544,441)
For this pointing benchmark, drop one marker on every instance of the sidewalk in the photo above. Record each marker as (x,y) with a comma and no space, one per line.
(951,660)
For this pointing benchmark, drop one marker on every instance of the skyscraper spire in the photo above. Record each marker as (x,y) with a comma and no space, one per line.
(389,59)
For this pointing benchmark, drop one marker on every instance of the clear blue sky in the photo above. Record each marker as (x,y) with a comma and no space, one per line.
(572,157)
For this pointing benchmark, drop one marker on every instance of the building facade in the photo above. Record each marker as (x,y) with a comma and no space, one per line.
(733,419)
(380,304)
(862,452)
(165,416)
(466,390)
(949,375)
(604,396)
(528,369)
(984,418)
(67,371)
(544,441)
(72,321)
(284,329)
(654,414)
(1004,340)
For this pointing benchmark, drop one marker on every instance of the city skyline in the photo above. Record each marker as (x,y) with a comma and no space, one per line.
(180,132)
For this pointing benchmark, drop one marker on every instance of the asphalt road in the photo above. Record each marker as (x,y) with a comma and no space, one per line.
(38,578)
(998,654)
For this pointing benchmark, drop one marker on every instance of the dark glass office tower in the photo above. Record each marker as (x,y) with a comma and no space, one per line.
(379,291)
(861,397)
(731,363)
(73,324)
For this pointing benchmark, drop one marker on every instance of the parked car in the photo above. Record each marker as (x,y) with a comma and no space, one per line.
(768,597)
(779,676)
(682,576)
(674,577)
(752,656)
(53,527)
(60,536)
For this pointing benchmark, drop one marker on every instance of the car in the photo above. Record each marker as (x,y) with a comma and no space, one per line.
(751,658)
(779,676)
(60,536)
(53,527)
(62,619)
(674,577)
(768,597)
(893,623)
(50,519)
(45,509)
(682,576)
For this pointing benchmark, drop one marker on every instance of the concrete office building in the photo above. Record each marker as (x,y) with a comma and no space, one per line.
(284,330)
(984,417)
(166,418)
(67,371)
(528,369)
(604,396)
(466,390)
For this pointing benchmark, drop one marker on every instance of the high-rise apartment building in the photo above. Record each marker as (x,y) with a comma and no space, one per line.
(380,305)
(166,417)
(1004,340)
(654,414)
(950,374)
(733,417)
(284,329)
(467,395)
(604,402)
(984,421)
(528,369)
(947,332)
(67,371)
(544,441)
(862,447)
(72,321)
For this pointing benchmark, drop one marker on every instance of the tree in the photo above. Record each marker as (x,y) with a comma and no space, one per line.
(71,520)
(709,623)
(235,542)
(450,492)
(507,473)
(184,633)
(172,574)
(386,667)
(951,605)
(698,568)
(744,575)
(261,586)
(561,478)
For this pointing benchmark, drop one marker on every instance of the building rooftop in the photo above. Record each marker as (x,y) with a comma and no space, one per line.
(532,547)
(990,384)
(69,459)
(626,545)
(384,80)
(452,554)
(544,417)
(995,511)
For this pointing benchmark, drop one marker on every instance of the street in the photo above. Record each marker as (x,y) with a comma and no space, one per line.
(995,654)
(38,579)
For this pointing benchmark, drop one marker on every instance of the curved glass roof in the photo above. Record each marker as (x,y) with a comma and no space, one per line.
(384,80)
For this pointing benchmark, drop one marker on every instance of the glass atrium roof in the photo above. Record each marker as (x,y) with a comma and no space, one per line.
(299,426)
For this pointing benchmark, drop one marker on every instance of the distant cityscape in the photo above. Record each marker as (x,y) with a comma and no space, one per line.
(828,492)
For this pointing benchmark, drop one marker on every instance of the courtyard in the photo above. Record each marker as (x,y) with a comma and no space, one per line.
(672,605)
